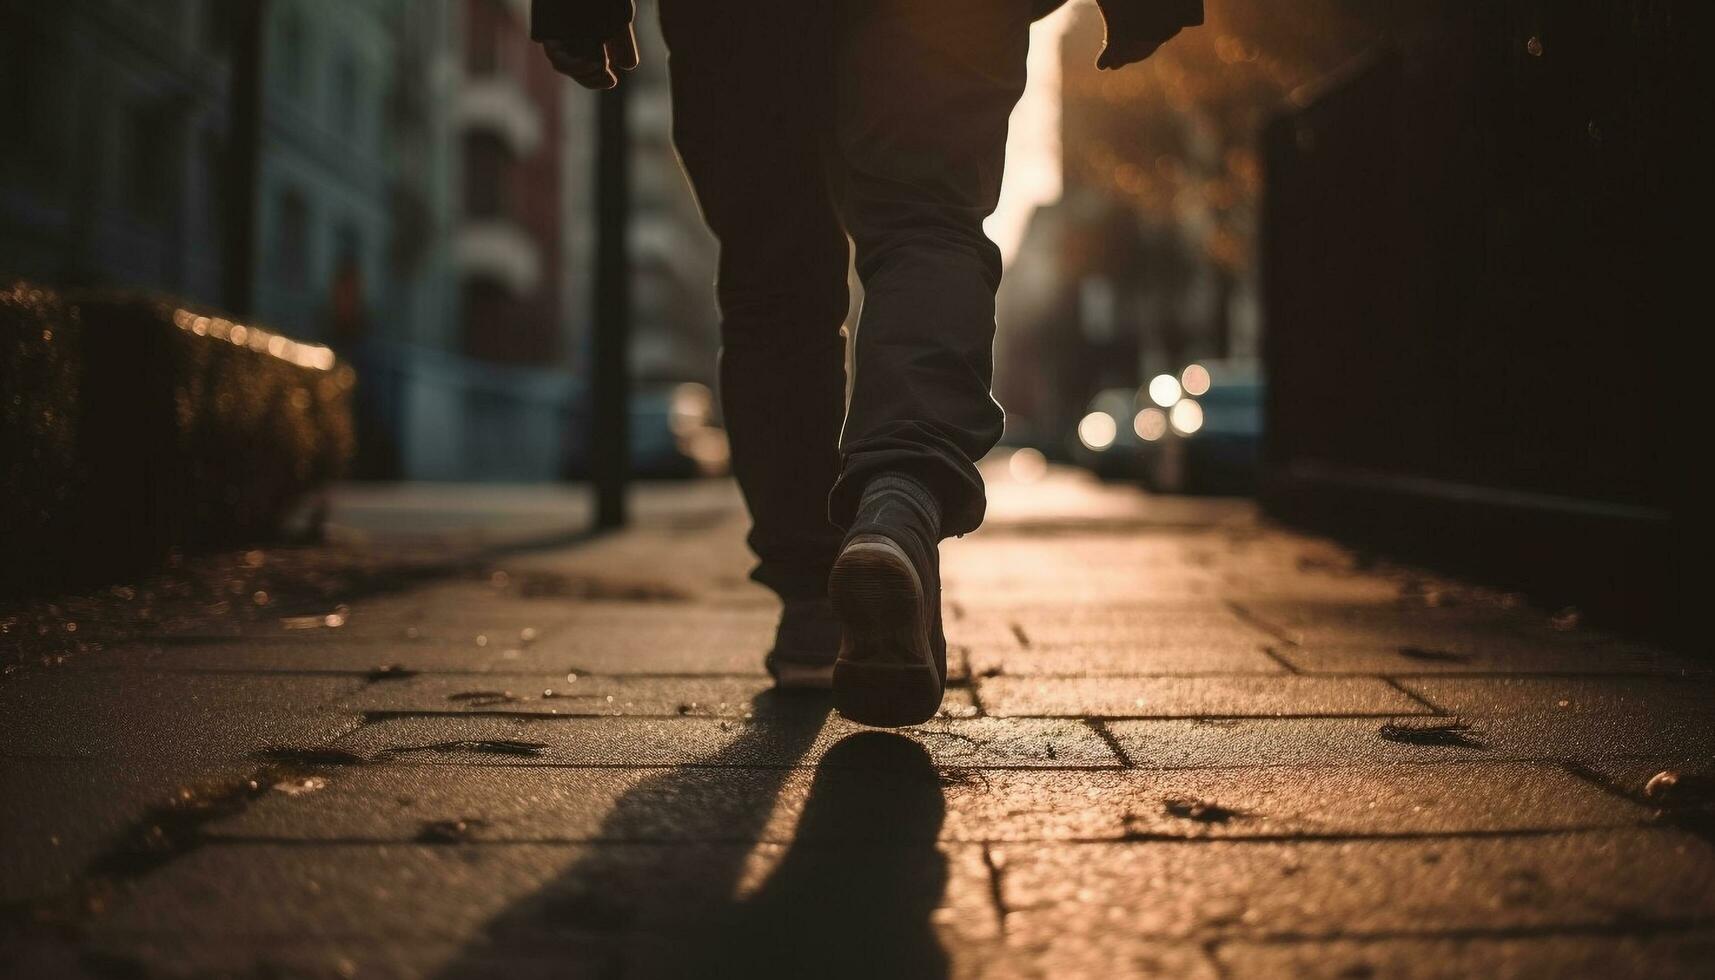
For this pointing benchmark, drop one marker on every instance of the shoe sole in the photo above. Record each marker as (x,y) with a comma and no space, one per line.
(885,675)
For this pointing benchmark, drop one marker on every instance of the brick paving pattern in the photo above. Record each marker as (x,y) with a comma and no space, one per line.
(1179,742)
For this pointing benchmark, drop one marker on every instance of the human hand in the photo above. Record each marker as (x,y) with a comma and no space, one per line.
(595,67)
(1136,28)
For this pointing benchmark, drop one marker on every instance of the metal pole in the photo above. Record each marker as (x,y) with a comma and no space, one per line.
(610,369)
(243,176)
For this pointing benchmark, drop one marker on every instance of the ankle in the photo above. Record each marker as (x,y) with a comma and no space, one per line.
(894,499)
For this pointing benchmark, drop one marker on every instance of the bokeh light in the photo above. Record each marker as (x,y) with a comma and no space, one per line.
(1027,465)
(1164,390)
(1187,417)
(1097,431)
(1195,380)
(1150,424)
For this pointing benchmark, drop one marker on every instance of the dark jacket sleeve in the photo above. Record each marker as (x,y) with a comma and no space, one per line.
(579,23)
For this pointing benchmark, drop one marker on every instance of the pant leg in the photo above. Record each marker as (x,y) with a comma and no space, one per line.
(924,92)
(752,118)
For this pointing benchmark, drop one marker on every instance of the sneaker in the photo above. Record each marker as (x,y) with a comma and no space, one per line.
(805,645)
(886,590)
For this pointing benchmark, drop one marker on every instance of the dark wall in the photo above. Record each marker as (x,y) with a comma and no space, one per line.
(1472,256)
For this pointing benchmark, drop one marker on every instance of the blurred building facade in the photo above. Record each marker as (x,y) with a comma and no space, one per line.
(1130,273)
(424,203)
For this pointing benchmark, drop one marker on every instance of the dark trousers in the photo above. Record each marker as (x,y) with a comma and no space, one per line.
(801,122)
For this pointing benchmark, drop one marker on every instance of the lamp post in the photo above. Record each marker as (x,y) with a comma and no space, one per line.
(610,368)
(242,177)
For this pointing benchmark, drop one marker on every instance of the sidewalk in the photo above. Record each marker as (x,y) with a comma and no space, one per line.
(1179,742)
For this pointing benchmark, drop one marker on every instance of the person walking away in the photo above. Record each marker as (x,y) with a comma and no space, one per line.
(808,128)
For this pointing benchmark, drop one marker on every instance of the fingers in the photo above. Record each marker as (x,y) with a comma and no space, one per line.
(595,68)
(622,50)
(587,67)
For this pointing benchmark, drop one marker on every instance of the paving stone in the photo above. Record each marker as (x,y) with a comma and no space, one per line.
(777,741)
(1115,955)
(1192,697)
(1607,718)
(87,754)
(448,614)
(599,695)
(1073,566)
(289,656)
(1665,700)
(1358,741)
(60,815)
(1465,656)
(1380,800)
(343,957)
(1147,625)
(553,805)
(1586,880)
(443,615)
(623,638)
(715,903)
(1667,954)
(188,719)
(637,954)
(1478,632)
(1694,783)
(1120,660)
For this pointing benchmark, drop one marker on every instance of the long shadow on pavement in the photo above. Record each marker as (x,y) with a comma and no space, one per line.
(852,895)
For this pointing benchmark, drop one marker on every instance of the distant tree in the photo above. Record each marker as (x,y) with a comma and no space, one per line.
(1175,138)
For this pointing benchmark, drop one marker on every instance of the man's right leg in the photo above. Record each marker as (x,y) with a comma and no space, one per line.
(752,103)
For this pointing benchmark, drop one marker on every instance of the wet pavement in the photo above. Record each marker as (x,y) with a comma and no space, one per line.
(1179,742)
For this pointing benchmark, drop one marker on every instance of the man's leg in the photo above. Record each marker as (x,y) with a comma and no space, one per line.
(752,104)
(924,94)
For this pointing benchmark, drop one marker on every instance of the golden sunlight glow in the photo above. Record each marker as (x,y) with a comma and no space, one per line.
(314,357)
(1187,417)
(1097,431)
(1195,379)
(1033,173)
(1164,390)
(1150,424)
(1027,465)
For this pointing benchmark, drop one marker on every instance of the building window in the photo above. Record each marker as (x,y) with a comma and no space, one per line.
(347,93)
(34,137)
(217,26)
(495,39)
(149,160)
(487,176)
(294,54)
(292,238)
(19,68)
(214,186)
(346,293)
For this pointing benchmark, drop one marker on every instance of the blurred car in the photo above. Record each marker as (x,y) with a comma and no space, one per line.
(674,433)
(1199,431)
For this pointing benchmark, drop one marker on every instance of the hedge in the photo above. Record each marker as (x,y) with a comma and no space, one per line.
(132,425)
